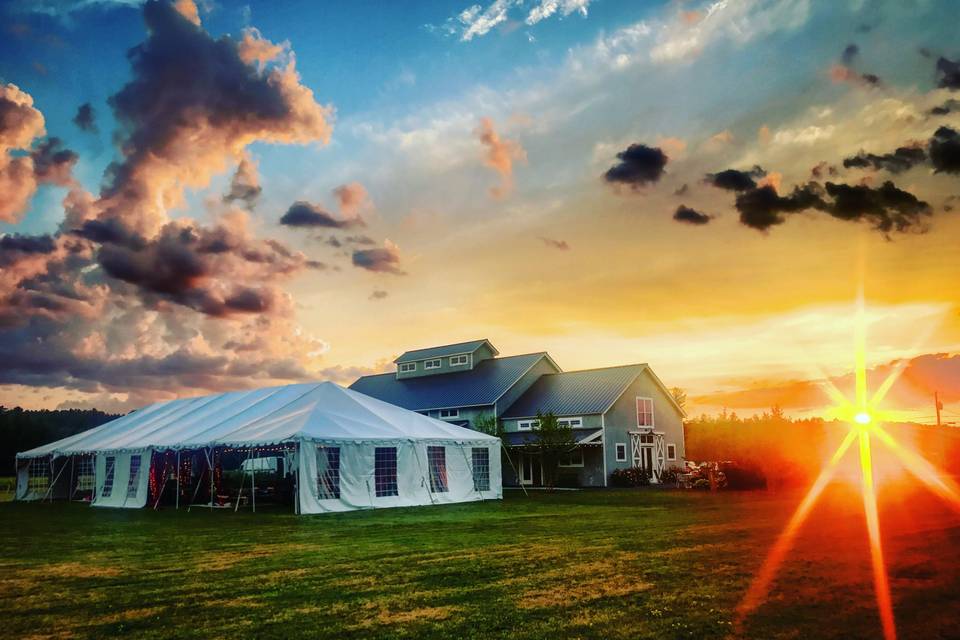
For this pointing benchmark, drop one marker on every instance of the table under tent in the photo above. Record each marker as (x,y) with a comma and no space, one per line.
(324,448)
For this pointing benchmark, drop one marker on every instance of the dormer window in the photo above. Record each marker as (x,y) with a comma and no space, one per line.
(447,414)
(459,361)
(432,364)
(408,367)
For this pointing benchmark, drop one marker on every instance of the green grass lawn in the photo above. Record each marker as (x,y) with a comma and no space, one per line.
(627,564)
(8,485)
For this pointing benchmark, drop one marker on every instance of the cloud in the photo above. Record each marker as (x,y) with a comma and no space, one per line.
(20,124)
(850,53)
(547,8)
(188,9)
(639,166)
(948,106)
(691,216)
(52,163)
(682,190)
(735,180)
(305,214)
(948,74)
(245,184)
(377,294)
(86,118)
(352,198)
(761,207)
(384,259)
(945,151)
(500,155)
(562,245)
(255,48)
(901,160)
(840,73)
(476,21)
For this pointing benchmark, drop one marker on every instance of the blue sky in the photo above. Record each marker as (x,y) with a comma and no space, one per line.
(518,237)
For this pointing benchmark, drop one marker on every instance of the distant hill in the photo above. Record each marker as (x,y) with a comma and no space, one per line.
(22,429)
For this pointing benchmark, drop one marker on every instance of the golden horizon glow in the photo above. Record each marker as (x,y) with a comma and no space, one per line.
(864,415)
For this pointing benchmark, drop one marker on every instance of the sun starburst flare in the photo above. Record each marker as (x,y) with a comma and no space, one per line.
(865,417)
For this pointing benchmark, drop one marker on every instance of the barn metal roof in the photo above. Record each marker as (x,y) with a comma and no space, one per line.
(575,393)
(445,350)
(482,385)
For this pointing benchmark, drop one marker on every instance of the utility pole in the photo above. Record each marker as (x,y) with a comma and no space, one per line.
(938,405)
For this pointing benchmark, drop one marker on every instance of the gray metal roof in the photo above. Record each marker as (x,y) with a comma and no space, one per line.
(575,393)
(482,385)
(445,350)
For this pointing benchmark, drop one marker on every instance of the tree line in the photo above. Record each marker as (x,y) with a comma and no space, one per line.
(23,429)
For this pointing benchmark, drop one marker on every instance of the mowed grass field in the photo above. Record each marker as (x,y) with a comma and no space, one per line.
(611,564)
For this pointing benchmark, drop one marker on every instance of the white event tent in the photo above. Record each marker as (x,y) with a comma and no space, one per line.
(342,449)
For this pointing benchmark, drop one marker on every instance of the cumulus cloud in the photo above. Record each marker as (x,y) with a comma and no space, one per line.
(639,166)
(691,216)
(305,214)
(352,198)
(476,21)
(378,294)
(124,298)
(948,106)
(553,243)
(253,47)
(245,184)
(86,118)
(500,155)
(384,259)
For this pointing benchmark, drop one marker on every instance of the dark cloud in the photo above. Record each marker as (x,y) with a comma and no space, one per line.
(639,165)
(682,190)
(948,74)
(871,79)
(850,54)
(305,214)
(945,151)
(384,259)
(823,169)
(360,240)
(945,108)
(761,207)
(13,247)
(901,160)
(86,118)
(736,180)
(887,207)
(378,295)
(52,163)
(691,216)
(562,245)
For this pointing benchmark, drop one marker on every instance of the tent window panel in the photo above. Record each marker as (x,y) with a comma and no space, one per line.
(328,473)
(437,462)
(108,480)
(133,483)
(385,471)
(481,468)
(38,478)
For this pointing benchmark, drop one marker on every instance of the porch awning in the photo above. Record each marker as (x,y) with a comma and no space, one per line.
(524,438)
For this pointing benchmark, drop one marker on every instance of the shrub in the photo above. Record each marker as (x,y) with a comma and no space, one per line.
(670,474)
(743,477)
(632,477)
(701,484)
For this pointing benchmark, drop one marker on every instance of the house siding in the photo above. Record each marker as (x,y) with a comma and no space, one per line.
(621,419)
(483,352)
(468,414)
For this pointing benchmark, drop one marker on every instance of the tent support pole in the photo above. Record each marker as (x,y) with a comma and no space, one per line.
(296,479)
(195,492)
(178,479)
(164,486)
(73,490)
(423,478)
(243,476)
(517,473)
(253,487)
(209,454)
(472,476)
(52,484)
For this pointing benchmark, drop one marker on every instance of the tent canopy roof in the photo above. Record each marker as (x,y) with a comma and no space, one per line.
(320,411)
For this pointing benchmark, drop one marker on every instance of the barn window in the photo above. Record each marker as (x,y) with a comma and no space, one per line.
(449,413)
(481,468)
(133,483)
(385,471)
(328,473)
(431,364)
(459,361)
(407,367)
(621,452)
(437,463)
(572,459)
(644,412)
(110,464)
(671,452)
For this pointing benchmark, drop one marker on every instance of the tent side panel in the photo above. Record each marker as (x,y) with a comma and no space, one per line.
(121,493)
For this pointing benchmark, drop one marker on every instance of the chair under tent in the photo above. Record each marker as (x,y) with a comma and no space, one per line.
(315,446)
